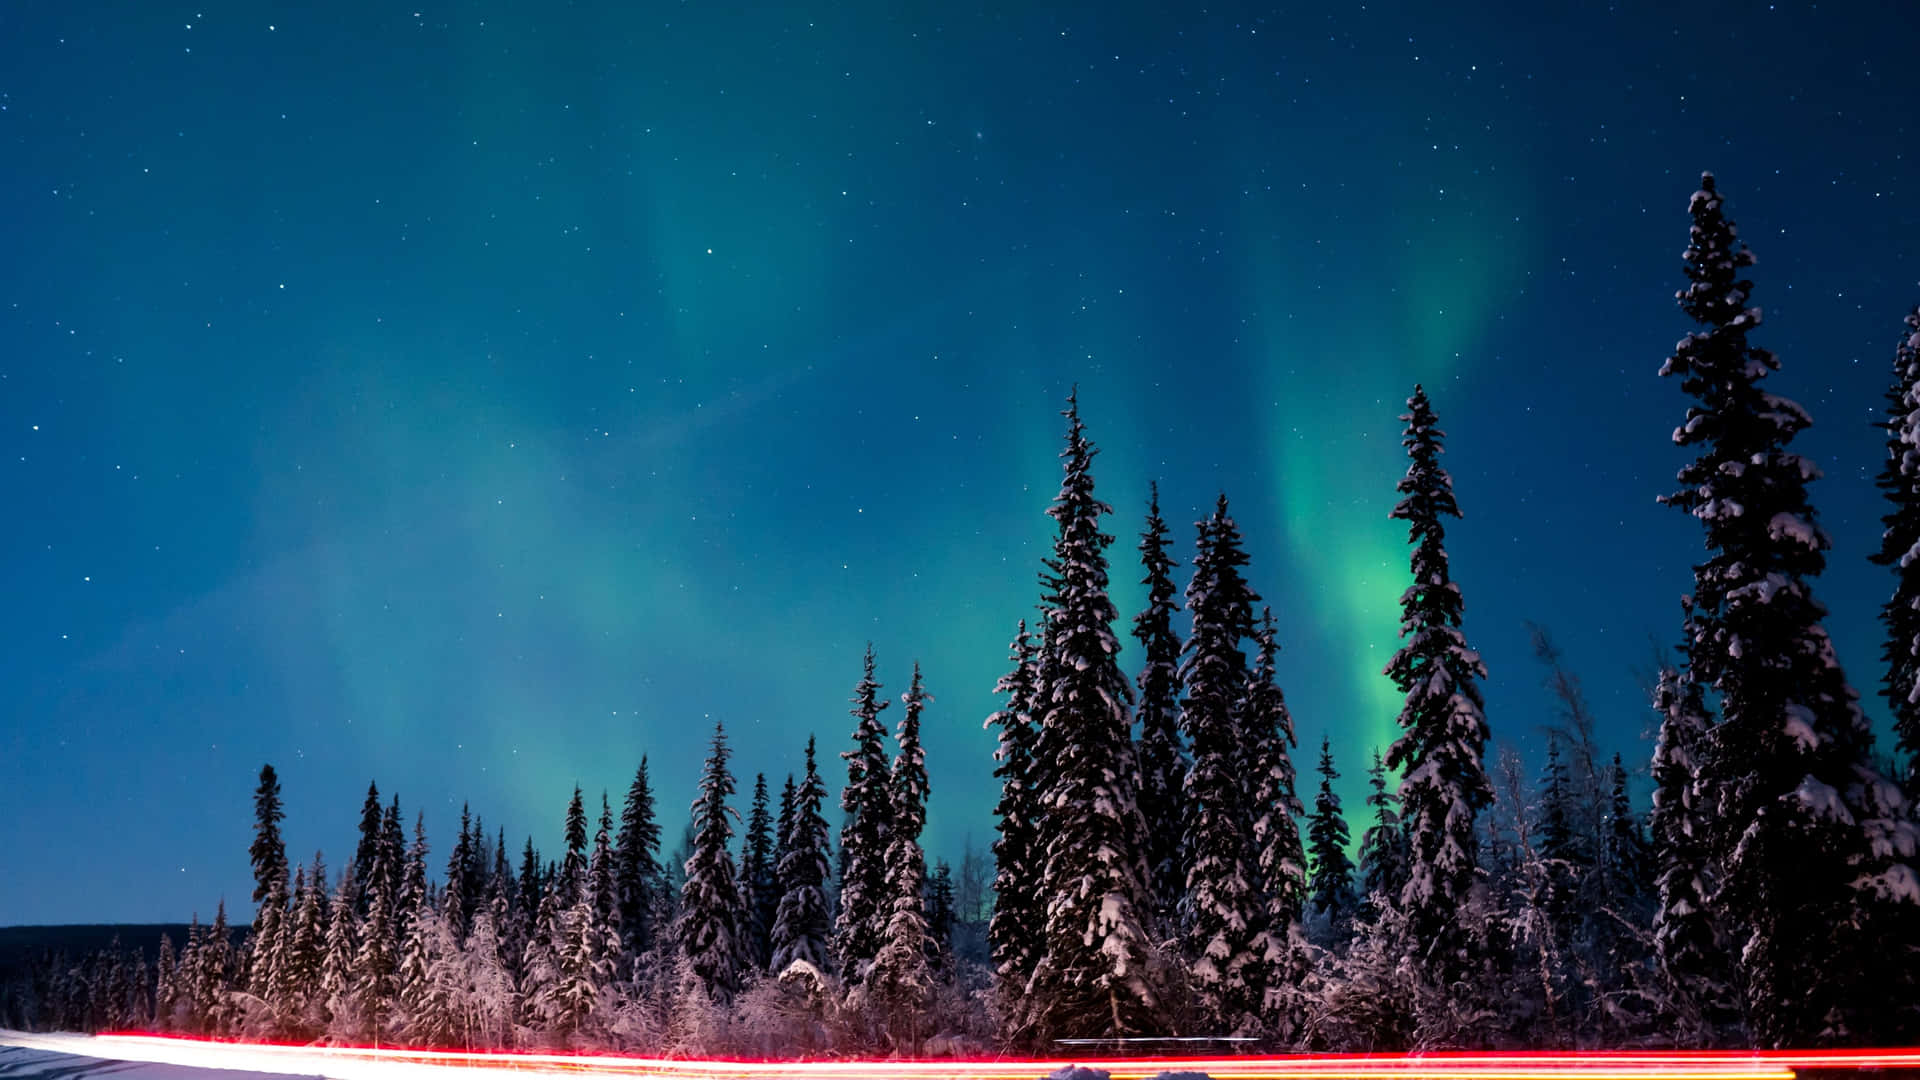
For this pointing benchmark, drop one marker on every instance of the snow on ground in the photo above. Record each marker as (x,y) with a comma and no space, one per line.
(56,1057)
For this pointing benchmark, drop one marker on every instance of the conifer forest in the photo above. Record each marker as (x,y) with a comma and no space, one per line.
(1167,858)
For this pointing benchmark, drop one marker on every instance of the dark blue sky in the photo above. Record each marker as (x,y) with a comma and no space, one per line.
(476,397)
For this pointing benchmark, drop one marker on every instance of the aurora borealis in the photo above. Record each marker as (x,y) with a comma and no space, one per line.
(473,399)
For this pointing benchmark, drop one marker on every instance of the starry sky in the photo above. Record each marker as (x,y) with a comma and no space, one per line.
(476,397)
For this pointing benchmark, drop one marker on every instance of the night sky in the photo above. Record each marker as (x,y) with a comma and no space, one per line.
(475,398)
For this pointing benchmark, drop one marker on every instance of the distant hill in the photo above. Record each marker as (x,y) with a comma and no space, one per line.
(20,946)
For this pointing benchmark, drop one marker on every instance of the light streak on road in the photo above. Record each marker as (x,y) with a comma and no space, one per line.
(390,1063)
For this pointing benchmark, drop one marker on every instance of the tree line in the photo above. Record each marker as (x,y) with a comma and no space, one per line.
(1156,870)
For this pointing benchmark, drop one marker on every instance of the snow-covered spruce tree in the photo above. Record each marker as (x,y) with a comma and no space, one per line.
(604,885)
(377,962)
(867,801)
(214,978)
(637,858)
(1330,898)
(800,927)
(756,871)
(477,878)
(424,1003)
(1444,783)
(712,927)
(503,892)
(1098,971)
(1015,930)
(165,987)
(455,903)
(366,856)
(339,992)
(393,861)
(1223,897)
(518,935)
(900,983)
(573,867)
(1815,848)
(413,879)
(298,974)
(673,877)
(413,956)
(588,950)
(269,857)
(1163,762)
(540,967)
(782,828)
(1383,847)
(183,1016)
(1281,862)
(1900,547)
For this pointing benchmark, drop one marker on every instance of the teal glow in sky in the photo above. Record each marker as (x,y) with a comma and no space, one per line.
(475,399)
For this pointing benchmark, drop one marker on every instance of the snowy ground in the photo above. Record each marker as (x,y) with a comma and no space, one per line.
(62,1057)
(134,1057)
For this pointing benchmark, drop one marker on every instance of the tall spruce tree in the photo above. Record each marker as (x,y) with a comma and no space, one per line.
(215,977)
(603,879)
(900,978)
(532,890)
(269,857)
(1096,975)
(1805,831)
(713,916)
(637,857)
(1276,804)
(1163,761)
(378,960)
(1900,547)
(782,828)
(1279,859)
(339,968)
(589,950)
(1016,928)
(867,801)
(299,973)
(475,878)
(1441,751)
(1224,908)
(367,854)
(413,879)
(801,927)
(455,904)
(573,868)
(757,872)
(1330,888)
(393,850)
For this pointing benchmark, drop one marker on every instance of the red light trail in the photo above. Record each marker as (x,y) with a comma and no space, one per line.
(390,1063)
